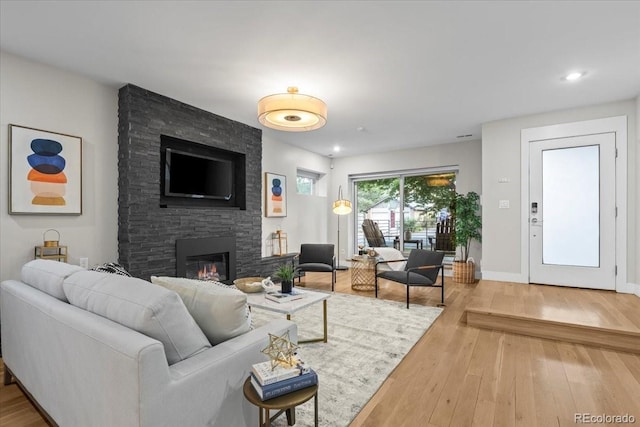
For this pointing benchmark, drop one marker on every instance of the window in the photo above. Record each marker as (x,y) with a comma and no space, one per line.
(306,182)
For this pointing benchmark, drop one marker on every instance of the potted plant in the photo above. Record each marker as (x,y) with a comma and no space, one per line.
(468,224)
(286,273)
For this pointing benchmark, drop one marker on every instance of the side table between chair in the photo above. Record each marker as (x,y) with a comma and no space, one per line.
(285,403)
(363,274)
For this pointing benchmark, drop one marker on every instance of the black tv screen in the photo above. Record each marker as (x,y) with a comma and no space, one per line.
(196,176)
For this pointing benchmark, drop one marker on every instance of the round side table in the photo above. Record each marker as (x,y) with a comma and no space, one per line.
(285,403)
(363,274)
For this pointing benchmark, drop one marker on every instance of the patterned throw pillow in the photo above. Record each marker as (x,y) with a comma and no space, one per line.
(113,268)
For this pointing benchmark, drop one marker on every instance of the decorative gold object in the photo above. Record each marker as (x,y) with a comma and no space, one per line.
(50,243)
(363,275)
(51,249)
(280,350)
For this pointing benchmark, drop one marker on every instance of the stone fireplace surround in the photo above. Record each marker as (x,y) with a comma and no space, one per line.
(147,232)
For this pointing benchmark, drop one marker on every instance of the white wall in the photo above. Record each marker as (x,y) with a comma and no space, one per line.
(464,156)
(39,96)
(634,200)
(306,220)
(501,159)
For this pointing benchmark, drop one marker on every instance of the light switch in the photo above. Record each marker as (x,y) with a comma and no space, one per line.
(503,180)
(503,204)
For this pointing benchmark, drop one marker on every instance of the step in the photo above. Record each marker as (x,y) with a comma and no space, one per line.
(606,337)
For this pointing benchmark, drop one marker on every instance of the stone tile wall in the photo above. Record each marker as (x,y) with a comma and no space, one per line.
(146,231)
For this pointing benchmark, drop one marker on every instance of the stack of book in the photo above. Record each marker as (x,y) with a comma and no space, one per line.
(281,297)
(270,383)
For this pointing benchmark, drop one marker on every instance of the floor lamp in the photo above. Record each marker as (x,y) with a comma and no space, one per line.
(341,207)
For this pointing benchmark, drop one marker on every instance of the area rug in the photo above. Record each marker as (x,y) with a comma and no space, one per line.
(367,339)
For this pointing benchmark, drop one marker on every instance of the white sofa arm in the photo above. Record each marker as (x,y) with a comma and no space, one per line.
(84,369)
(206,389)
(79,366)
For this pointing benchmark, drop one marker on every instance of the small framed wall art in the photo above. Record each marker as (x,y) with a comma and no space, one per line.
(275,190)
(45,172)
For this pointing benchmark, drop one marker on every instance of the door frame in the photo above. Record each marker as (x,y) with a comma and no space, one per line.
(617,125)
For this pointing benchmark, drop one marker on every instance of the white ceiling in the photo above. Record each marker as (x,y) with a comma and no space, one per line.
(410,73)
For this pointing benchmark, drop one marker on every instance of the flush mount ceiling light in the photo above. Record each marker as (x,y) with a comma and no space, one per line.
(292,111)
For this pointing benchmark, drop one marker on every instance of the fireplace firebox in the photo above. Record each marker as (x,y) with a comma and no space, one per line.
(208,258)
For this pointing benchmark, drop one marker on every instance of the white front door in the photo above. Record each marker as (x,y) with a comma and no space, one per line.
(572,211)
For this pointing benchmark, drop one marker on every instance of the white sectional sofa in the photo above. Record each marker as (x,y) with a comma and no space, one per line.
(85,369)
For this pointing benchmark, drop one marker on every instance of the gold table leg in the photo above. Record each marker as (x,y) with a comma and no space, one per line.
(325,335)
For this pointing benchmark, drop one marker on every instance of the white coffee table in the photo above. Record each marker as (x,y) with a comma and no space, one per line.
(258,300)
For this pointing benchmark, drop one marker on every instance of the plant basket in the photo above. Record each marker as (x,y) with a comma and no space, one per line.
(464,272)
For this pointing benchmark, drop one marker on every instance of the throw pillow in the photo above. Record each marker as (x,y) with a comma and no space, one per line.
(220,311)
(139,305)
(48,276)
(113,268)
(392,254)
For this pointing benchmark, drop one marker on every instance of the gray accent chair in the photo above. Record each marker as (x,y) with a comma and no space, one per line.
(317,257)
(422,269)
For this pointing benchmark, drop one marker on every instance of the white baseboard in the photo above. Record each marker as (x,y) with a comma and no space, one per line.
(504,277)
(630,288)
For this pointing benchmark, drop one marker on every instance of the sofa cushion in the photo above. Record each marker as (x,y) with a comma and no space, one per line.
(139,305)
(48,276)
(220,311)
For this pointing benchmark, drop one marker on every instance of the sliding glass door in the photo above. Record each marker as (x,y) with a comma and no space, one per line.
(377,199)
(406,208)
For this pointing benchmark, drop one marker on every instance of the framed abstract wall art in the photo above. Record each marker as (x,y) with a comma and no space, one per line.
(275,189)
(45,172)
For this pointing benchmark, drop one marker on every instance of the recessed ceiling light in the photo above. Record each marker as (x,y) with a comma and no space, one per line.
(336,148)
(571,77)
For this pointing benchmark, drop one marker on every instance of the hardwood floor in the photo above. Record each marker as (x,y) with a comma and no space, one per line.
(595,317)
(458,375)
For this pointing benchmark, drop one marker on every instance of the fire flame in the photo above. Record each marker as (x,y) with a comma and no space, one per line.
(208,272)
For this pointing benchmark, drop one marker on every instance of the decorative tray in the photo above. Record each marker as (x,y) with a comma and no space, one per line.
(249,284)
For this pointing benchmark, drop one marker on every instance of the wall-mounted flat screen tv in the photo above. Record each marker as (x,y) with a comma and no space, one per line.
(196,176)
